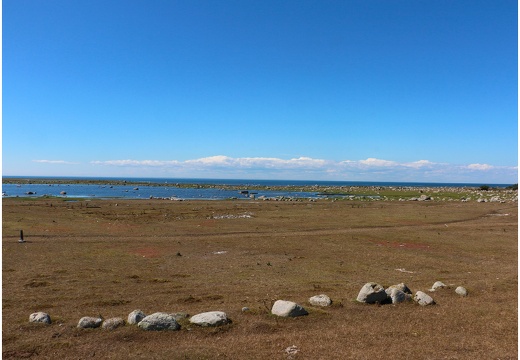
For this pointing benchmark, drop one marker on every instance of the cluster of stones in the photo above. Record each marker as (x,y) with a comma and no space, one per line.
(370,293)
(156,321)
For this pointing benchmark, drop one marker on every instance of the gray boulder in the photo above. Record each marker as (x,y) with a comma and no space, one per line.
(287,309)
(159,321)
(88,322)
(461,291)
(210,318)
(397,296)
(320,300)
(135,317)
(401,287)
(112,323)
(40,317)
(423,299)
(371,293)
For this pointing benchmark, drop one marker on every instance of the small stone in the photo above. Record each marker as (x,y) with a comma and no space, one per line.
(88,322)
(135,317)
(438,285)
(423,299)
(461,291)
(112,323)
(288,309)
(245,309)
(159,321)
(320,300)
(210,318)
(40,317)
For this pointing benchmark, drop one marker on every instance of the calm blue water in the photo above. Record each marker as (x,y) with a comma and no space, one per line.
(144,192)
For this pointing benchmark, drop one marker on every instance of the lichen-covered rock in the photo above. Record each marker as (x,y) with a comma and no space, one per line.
(159,321)
(372,293)
(461,291)
(320,300)
(423,299)
(210,318)
(438,285)
(88,322)
(288,309)
(113,323)
(40,317)
(135,317)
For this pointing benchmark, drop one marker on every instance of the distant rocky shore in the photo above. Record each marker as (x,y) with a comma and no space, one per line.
(386,193)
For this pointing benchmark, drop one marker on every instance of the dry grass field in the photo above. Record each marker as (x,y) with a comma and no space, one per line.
(109,257)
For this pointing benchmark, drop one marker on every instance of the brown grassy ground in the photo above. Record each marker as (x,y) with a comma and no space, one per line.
(110,257)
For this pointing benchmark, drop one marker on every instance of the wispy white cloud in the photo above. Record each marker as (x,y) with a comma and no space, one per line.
(370,169)
(480,167)
(56,162)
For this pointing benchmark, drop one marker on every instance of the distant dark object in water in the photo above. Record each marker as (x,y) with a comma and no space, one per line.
(244,192)
(30,193)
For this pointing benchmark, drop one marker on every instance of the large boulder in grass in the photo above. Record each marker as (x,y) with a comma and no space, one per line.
(287,309)
(423,299)
(88,322)
(40,317)
(135,317)
(159,321)
(372,293)
(210,318)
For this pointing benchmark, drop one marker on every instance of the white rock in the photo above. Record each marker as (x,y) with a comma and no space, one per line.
(210,318)
(288,309)
(423,299)
(438,285)
(87,322)
(135,317)
(461,291)
(320,300)
(159,321)
(371,293)
(40,317)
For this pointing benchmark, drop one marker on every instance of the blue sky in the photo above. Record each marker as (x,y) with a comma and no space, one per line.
(403,90)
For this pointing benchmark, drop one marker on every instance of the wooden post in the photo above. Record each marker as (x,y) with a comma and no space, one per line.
(21,237)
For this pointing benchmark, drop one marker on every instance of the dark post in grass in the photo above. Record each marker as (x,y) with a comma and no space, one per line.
(21,237)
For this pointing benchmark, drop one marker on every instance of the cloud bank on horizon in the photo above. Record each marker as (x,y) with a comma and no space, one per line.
(303,168)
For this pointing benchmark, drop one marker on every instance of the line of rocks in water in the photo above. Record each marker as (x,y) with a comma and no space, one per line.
(370,293)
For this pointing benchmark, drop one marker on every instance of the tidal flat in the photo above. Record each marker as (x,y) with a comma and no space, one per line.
(91,257)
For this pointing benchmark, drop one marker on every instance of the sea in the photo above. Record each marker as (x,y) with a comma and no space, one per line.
(142,191)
